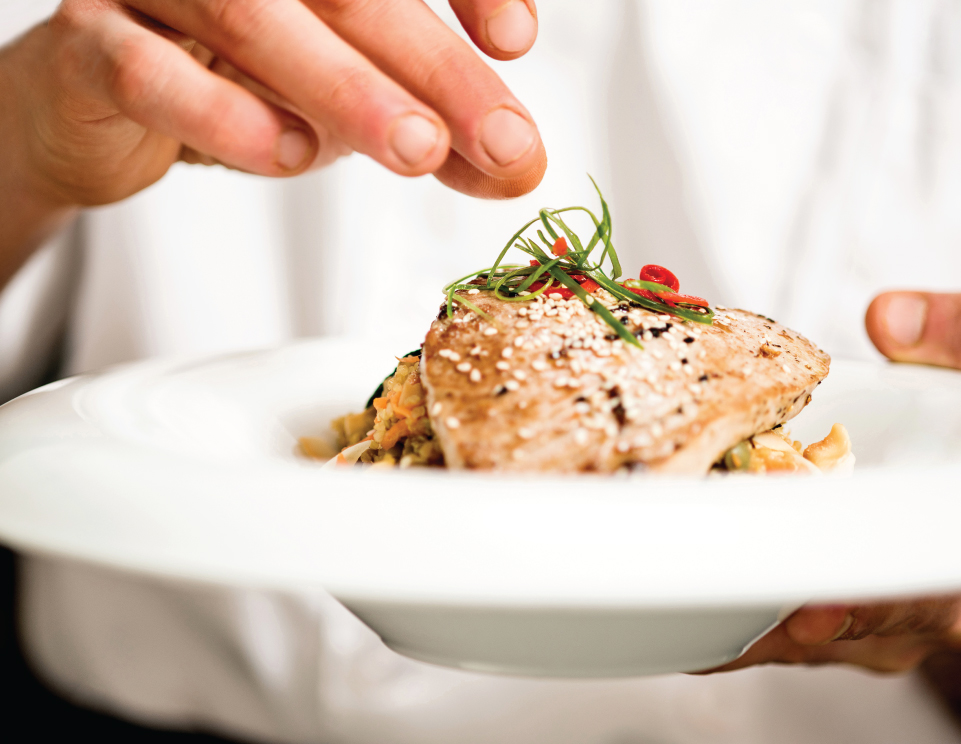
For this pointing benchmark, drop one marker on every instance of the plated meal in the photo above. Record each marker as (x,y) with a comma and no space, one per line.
(561,365)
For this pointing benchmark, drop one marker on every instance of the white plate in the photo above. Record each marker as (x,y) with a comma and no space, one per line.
(187,469)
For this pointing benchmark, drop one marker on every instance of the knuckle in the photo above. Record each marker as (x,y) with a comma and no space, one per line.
(132,73)
(349,92)
(237,20)
(72,16)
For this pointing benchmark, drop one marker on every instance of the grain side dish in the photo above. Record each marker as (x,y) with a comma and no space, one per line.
(560,365)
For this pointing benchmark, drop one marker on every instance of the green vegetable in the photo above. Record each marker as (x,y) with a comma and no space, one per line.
(380,388)
(507,281)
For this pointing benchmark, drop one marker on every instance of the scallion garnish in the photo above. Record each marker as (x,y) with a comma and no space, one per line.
(563,264)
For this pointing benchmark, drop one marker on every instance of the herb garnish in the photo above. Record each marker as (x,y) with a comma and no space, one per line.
(565,266)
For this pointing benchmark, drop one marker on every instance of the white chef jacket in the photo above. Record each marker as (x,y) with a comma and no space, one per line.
(792,157)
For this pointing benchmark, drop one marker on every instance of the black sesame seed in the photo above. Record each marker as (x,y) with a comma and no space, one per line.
(625,320)
(702,378)
(500,390)
(689,340)
(684,361)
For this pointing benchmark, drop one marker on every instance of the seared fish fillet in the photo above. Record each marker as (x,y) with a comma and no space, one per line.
(549,387)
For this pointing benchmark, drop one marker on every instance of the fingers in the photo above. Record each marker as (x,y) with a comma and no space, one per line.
(883,636)
(489,127)
(288,49)
(163,88)
(461,176)
(921,327)
(502,29)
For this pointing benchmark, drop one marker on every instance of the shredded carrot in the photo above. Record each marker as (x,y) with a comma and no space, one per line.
(399,410)
(380,403)
(394,434)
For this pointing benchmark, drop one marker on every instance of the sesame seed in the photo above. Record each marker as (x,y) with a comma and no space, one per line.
(525,433)
(436,409)
(473,291)
(520,374)
(540,365)
(623,446)
(475,351)
(463,367)
(475,375)
(507,353)
(522,311)
(490,331)
(445,353)
(582,408)
(502,366)
(453,356)
(581,436)
(512,385)
(675,366)
(555,295)
(561,382)
(522,404)
(519,341)
(786,368)
(452,422)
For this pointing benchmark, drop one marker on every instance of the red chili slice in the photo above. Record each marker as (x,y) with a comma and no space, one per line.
(660,275)
(560,247)
(671,297)
(587,284)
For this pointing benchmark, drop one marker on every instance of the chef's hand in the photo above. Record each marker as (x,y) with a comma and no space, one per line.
(924,328)
(111,92)
(100,101)
(885,637)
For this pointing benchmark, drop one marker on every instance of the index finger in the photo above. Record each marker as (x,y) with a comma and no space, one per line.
(489,127)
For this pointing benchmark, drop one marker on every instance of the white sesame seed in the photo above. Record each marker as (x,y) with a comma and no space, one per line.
(786,368)
(525,433)
(540,365)
(473,291)
(675,366)
(475,375)
(490,331)
(520,374)
(522,311)
(463,367)
(436,409)
(581,436)
(507,353)
(522,404)
(452,422)
(502,366)
(475,351)
(512,385)
(623,446)
(453,356)
(445,353)
(582,408)
(519,341)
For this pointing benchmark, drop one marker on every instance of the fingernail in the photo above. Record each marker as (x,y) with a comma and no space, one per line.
(512,27)
(293,148)
(506,136)
(904,318)
(845,627)
(413,138)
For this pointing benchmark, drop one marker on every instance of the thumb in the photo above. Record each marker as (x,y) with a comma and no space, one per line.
(921,327)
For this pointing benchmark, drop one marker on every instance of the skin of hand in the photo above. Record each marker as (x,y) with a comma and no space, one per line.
(921,328)
(101,100)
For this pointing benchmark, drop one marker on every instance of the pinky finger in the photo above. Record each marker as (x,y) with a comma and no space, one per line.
(157,84)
